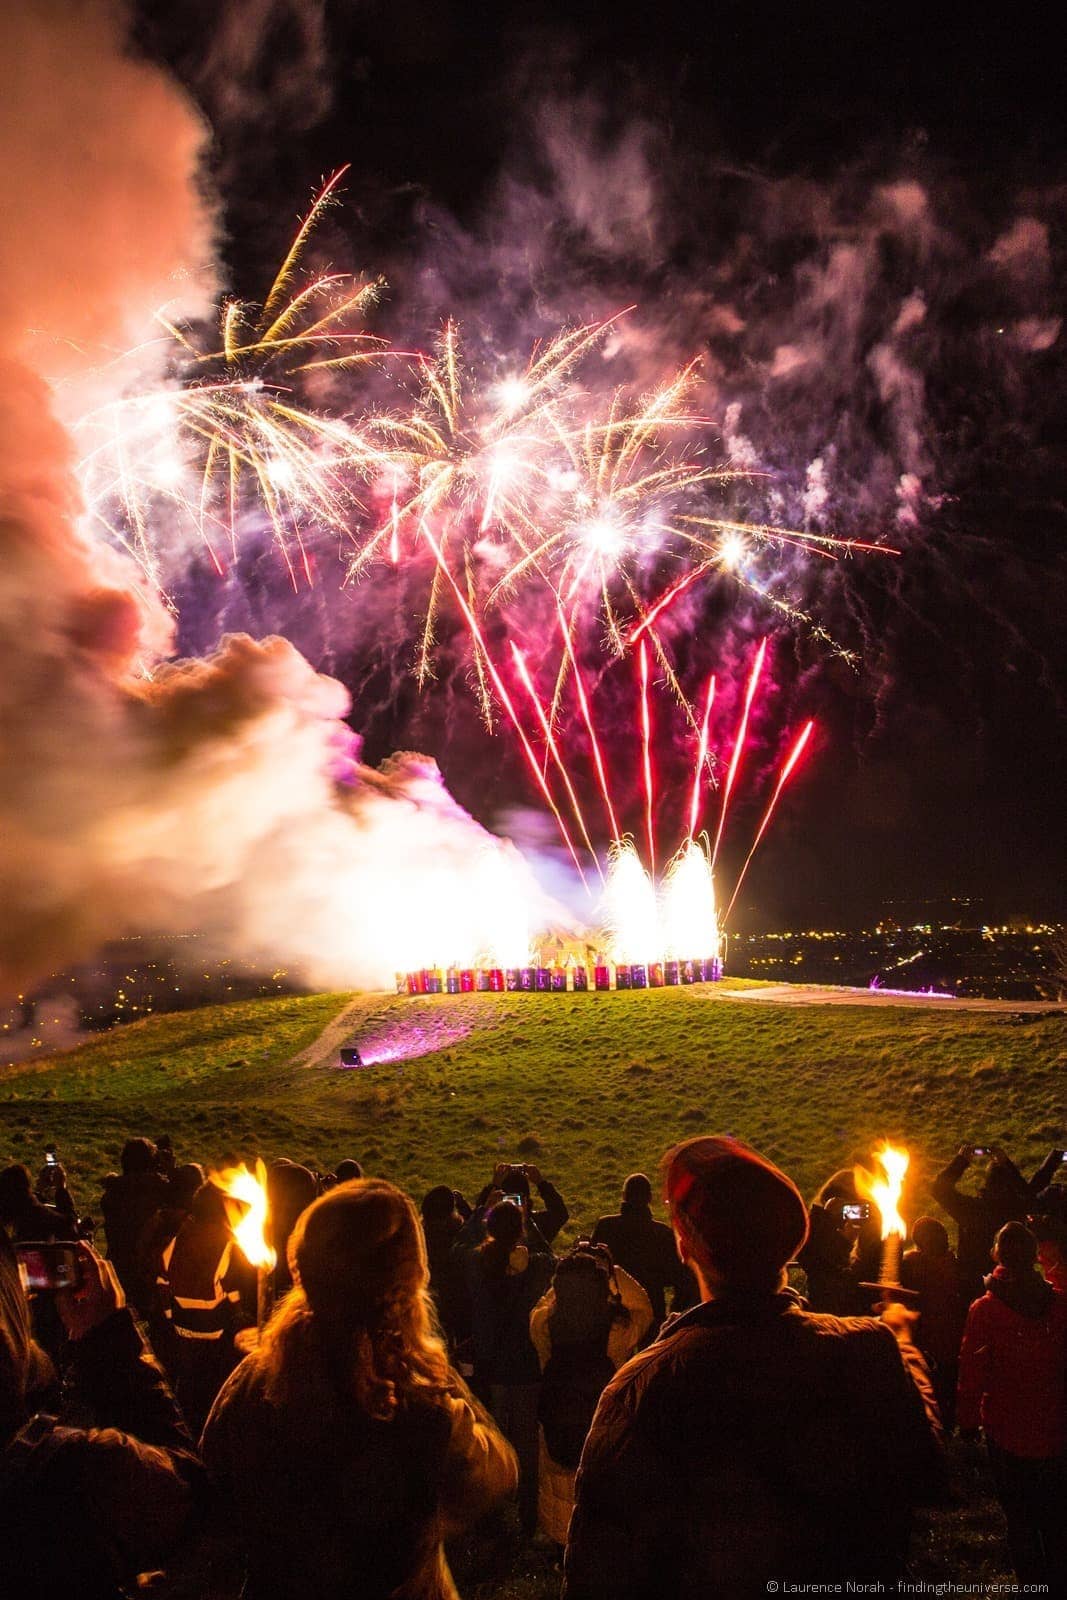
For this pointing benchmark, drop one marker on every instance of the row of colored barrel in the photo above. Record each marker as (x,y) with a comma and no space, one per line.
(568,979)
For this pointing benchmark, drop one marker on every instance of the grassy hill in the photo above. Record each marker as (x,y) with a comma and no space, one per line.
(589,1087)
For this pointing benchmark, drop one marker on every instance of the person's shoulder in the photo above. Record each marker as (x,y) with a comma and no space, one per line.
(245,1386)
(855,1330)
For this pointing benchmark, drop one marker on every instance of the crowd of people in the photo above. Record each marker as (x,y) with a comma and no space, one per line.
(703,1406)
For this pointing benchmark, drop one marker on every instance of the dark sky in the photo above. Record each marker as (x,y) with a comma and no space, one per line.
(940,768)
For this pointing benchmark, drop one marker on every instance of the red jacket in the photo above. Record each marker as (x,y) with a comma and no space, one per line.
(1013,1367)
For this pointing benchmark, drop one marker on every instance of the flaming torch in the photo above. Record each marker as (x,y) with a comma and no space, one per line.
(246,1212)
(885,1192)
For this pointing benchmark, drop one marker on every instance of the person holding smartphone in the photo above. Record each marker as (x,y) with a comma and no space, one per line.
(520,1179)
(1004,1196)
(84,1510)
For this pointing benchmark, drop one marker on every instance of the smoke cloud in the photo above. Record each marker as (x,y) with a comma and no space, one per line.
(221,795)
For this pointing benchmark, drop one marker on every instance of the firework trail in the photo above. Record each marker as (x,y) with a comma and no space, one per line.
(702,756)
(739,745)
(506,701)
(587,718)
(553,747)
(783,778)
(646,759)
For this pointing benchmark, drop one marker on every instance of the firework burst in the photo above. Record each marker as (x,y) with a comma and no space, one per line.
(227,433)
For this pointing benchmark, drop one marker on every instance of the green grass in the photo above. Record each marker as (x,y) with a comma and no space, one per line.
(590,1087)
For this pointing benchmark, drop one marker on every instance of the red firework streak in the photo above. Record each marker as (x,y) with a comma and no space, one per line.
(646,752)
(505,699)
(702,756)
(668,599)
(587,717)
(553,747)
(739,745)
(783,778)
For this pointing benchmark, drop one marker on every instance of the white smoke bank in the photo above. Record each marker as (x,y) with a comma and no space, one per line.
(222,795)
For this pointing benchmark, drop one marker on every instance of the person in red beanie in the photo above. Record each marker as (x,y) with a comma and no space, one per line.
(1013,1383)
(754,1443)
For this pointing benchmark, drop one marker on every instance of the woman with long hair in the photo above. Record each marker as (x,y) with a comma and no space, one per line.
(346,1445)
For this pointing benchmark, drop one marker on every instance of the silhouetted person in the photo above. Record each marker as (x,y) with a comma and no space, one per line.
(348,1169)
(753,1440)
(645,1249)
(591,1320)
(521,1179)
(932,1271)
(1013,1377)
(131,1204)
(199,1305)
(1004,1196)
(290,1190)
(23,1215)
(507,1267)
(442,1223)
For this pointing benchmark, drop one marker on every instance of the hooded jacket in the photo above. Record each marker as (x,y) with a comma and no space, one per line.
(1013,1366)
(752,1440)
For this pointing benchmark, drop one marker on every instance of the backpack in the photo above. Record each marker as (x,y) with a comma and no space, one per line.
(571,1385)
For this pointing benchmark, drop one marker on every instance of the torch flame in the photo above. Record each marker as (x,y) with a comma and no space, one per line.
(248,1218)
(886,1191)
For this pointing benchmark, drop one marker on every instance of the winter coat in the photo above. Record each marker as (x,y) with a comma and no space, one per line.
(83,1510)
(1013,1364)
(645,1249)
(555,1483)
(501,1306)
(753,1441)
(329,1502)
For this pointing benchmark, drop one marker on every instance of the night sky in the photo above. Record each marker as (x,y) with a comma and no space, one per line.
(940,768)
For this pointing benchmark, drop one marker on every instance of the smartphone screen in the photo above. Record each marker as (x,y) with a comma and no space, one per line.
(48,1267)
(516,1199)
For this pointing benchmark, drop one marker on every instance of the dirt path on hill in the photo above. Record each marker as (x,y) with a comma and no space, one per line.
(791,994)
(332,1037)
